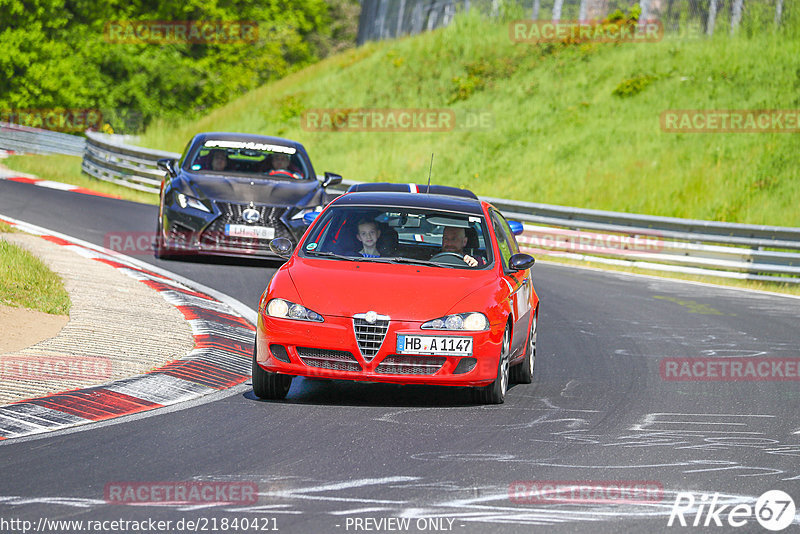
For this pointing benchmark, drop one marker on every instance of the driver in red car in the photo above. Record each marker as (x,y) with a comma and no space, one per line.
(454,239)
(281,166)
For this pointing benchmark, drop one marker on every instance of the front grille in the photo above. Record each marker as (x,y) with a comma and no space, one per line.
(338,360)
(231,213)
(370,336)
(410,365)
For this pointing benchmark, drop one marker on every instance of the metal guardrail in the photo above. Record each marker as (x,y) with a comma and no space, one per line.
(23,139)
(127,165)
(728,250)
(731,250)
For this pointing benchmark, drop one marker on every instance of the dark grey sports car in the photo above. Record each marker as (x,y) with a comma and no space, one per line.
(230,194)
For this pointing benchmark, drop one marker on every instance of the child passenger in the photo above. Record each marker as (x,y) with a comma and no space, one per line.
(368,234)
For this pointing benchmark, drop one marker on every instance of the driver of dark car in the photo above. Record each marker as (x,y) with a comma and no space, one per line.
(281,165)
(454,239)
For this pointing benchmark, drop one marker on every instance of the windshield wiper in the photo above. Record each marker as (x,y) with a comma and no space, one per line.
(332,255)
(400,259)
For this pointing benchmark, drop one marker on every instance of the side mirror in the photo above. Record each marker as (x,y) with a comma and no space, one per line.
(310,217)
(167,165)
(520,262)
(331,179)
(516,227)
(280,246)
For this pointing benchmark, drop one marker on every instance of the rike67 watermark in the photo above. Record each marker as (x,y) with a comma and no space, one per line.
(774,510)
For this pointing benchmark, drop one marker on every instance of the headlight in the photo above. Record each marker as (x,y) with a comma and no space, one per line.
(306,214)
(461,321)
(184,201)
(284,309)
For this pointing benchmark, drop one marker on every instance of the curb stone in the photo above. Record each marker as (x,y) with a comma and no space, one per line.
(221,357)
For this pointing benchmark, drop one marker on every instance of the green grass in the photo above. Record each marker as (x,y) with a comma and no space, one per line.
(67,169)
(25,281)
(561,134)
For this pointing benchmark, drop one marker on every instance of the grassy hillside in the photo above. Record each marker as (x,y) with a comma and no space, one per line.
(562,133)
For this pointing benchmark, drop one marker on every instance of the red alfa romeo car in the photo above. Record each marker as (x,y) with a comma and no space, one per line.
(400,287)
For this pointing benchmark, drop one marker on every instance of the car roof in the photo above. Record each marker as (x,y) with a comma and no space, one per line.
(232,136)
(411,200)
(433,189)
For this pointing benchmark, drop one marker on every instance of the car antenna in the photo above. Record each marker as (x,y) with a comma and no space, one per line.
(429,175)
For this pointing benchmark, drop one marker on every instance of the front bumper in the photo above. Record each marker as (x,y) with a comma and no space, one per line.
(330,350)
(190,232)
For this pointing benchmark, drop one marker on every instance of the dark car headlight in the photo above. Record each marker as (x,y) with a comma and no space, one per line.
(307,215)
(284,309)
(185,201)
(473,321)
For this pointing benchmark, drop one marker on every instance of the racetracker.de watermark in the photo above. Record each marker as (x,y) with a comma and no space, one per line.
(180,32)
(54,368)
(730,369)
(552,31)
(55,119)
(554,241)
(585,491)
(730,121)
(395,120)
(181,492)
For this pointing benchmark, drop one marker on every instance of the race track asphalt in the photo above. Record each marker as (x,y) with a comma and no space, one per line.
(598,413)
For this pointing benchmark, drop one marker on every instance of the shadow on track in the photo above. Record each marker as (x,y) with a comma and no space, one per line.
(322,392)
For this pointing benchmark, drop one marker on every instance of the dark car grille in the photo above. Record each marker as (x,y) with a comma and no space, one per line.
(410,365)
(370,335)
(338,360)
(231,213)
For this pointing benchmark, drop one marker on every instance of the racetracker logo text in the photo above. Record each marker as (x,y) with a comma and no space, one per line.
(54,368)
(57,120)
(181,492)
(585,491)
(394,120)
(180,32)
(549,31)
(542,240)
(730,369)
(730,121)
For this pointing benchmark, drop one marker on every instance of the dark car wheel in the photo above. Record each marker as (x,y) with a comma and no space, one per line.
(270,386)
(495,393)
(159,250)
(523,373)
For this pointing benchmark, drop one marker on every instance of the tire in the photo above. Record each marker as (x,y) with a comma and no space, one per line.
(269,386)
(495,393)
(523,373)
(160,252)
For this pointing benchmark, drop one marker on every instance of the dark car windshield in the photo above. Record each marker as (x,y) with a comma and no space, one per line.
(400,235)
(262,160)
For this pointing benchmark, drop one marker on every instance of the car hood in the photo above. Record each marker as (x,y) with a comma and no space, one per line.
(403,292)
(256,190)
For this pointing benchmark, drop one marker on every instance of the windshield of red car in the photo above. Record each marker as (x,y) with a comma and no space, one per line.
(261,160)
(399,234)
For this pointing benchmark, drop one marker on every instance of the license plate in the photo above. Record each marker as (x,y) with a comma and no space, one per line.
(438,345)
(242,230)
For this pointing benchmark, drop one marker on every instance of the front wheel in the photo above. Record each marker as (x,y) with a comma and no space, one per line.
(266,385)
(159,249)
(495,393)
